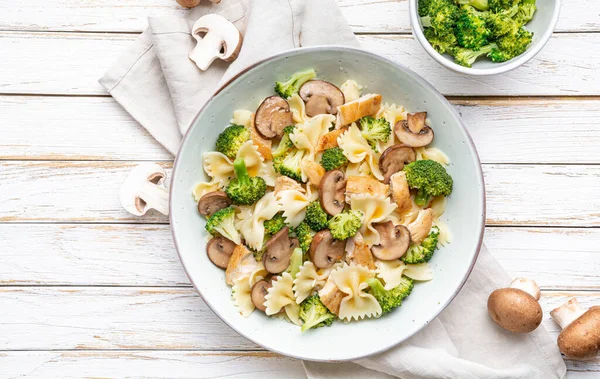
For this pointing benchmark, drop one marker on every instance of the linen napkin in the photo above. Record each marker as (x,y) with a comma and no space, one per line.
(163,90)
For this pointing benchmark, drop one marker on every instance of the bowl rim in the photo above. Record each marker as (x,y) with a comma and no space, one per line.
(510,65)
(421,81)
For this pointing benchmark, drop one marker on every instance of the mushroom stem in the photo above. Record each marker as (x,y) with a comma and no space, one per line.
(156,197)
(211,45)
(528,286)
(567,313)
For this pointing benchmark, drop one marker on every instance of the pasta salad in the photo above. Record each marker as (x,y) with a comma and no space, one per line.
(324,204)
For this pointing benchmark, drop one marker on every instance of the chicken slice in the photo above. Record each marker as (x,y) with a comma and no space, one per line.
(358,252)
(331,296)
(400,191)
(367,105)
(241,263)
(329,140)
(420,228)
(356,185)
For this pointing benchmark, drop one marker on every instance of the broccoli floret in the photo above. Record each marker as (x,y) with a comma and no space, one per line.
(526,11)
(275,224)
(285,143)
(243,189)
(500,5)
(502,23)
(441,16)
(515,43)
(222,222)
(423,7)
(375,130)
(289,164)
(429,178)
(293,84)
(231,139)
(316,217)
(442,44)
(296,261)
(422,253)
(471,30)
(304,235)
(314,313)
(466,57)
(346,224)
(388,300)
(482,5)
(333,158)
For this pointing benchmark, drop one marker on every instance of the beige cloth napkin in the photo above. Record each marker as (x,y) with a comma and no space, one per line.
(163,90)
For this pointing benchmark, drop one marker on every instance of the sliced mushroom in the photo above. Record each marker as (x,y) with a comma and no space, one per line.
(272,116)
(325,250)
(321,97)
(258,293)
(278,251)
(393,160)
(332,190)
(216,37)
(413,131)
(219,250)
(393,243)
(144,189)
(212,202)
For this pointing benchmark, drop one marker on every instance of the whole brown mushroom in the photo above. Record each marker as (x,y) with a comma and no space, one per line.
(580,336)
(194,3)
(516,308)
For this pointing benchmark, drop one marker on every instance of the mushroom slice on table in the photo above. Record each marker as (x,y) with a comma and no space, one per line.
(356,185)
(413,132)
(272,115)
(258,293)
(332,190)
(516,308)
(325,250)
(216,37)
(219,250)
(278,251)
(367,105)
(212,202)
(144,189)
(394,241)
(321,97)
(393,160)
(580,336)
(400,191)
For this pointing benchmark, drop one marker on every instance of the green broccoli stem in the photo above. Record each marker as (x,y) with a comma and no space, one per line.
(426,21)
(376,286)
(241,172)
(422,197)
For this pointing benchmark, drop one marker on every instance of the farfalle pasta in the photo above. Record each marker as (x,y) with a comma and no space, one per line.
(301,203)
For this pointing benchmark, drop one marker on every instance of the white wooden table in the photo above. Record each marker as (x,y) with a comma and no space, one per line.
(87,290)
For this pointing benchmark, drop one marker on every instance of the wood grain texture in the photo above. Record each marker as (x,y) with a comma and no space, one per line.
(97,128)
(45,63)
(375,16)
(144,255)
(67,191)
(149,364)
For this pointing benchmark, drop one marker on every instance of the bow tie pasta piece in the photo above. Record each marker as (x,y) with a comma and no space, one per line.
(252,226)
(268,173)
(307,280)
(374,209)
(298,109)
(357,149)
(294,203)
(241,294)
(390,272)
(281,296)
(242,117)
(356,304)
(203,188)
(445,236)
(351,90)
(220,168)
(432,153)
(420,272)
(306,136)
(392,114)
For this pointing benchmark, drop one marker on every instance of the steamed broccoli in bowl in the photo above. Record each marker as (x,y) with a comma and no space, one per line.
(470,29)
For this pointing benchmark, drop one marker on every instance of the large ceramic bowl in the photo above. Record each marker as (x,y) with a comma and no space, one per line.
(465,212)
(542,25)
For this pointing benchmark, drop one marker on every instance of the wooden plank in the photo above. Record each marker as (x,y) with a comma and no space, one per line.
(149,364)
(58,191)
(144,255)
(97,128)
(385,16)
(44,63)
(107,318)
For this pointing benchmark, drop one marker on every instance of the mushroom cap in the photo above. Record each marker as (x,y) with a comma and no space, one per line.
(514,310)
(219,250)
(258,293)
(332,192)
(144,189)
(325,250)
(321,97)
(212,202)
(272,115)
(413,132)
(216,37)
(278,251)
(393,160)
(394,241)
(188,3)
(581,338)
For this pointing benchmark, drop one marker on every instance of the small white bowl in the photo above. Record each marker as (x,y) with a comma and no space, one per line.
(542,25)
